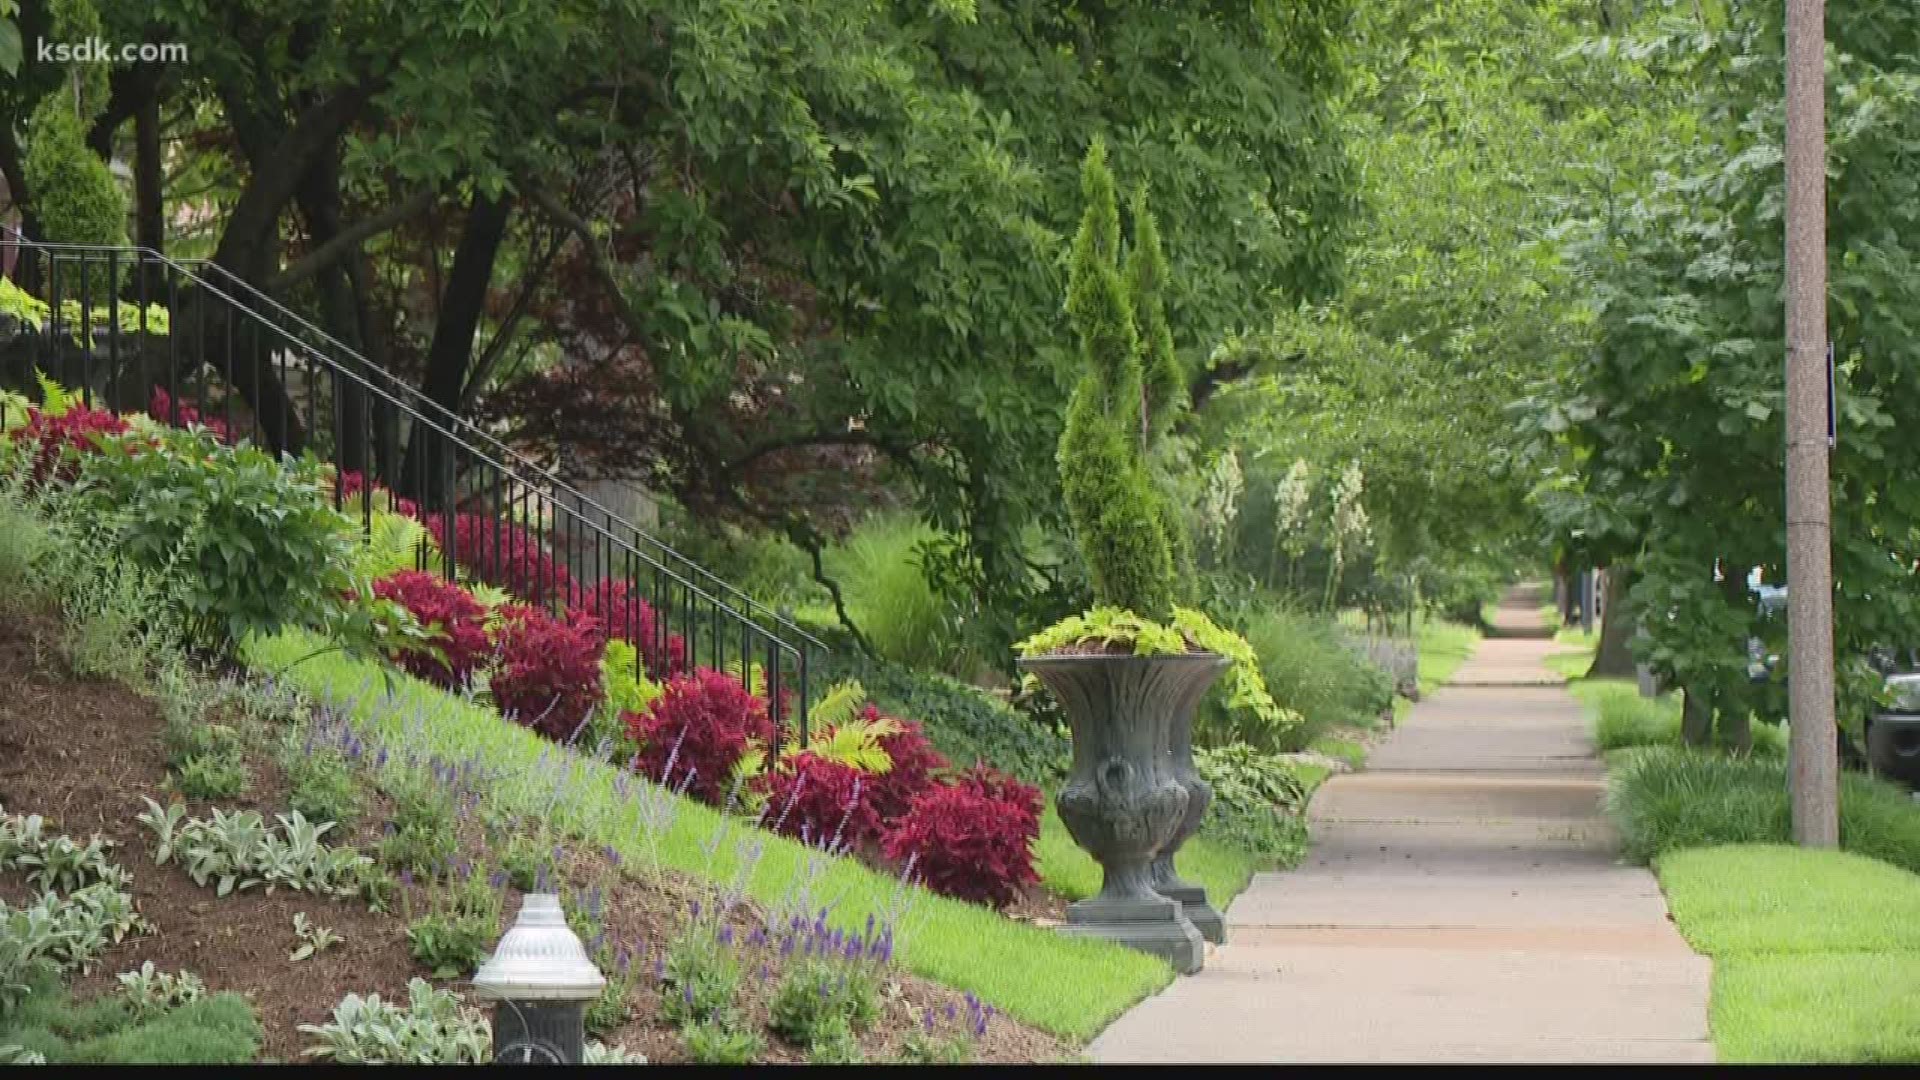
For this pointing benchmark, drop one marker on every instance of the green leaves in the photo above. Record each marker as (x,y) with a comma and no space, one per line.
(251,540)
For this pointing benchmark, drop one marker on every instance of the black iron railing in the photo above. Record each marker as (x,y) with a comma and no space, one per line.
(139,331)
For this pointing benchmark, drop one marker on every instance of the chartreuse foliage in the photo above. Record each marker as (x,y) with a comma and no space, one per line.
(1072,987)
(1250,711)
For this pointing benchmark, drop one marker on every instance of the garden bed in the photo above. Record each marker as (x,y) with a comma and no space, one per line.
(83,753)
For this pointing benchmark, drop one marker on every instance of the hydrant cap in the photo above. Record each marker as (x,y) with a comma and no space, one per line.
(539,959)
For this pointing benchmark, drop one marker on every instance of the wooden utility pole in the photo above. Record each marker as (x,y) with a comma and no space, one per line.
(1813,777)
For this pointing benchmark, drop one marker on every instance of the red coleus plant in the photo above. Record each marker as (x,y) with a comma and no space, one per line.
(824,803)
(915,764)
(548,676)
(77,429)
(697,730)
(971,838)
(181,413)
(353,483)
(628,616)
(503,554)
(459,618)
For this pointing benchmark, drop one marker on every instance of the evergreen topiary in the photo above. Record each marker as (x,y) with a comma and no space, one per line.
(1118,514)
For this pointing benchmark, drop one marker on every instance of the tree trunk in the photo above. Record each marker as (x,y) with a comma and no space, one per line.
(450,355)
(1613,658)
(1696,718)
(149,196)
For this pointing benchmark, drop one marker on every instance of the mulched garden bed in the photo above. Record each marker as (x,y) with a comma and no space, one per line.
(82,753)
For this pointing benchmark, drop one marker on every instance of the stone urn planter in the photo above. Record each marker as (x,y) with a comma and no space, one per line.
(1167,882)
(1123,801)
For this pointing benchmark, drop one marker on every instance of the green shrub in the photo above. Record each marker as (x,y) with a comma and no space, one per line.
(220,1029)
(256,543)
(816,997)
(450,944)
(722,1039)
(458,932)
(320,782)
(964,723)
(1667,798)
(890,600)
(1622,718)
(834,1043)
(702,978)
(1310,669)
(1277,837)
(421,839)
(212,776)
(1119,516)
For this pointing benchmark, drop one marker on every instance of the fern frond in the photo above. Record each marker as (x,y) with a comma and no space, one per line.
(840,704)
(56,400)
(856,743)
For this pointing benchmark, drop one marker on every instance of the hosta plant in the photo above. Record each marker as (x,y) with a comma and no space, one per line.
(260,546)
(433,1028)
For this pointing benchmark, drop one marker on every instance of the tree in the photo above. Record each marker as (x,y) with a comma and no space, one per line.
(1673,419)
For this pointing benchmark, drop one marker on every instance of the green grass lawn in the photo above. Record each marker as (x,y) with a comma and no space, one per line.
(1222,869)
(1816,954)
(1069,986)
(1623,719)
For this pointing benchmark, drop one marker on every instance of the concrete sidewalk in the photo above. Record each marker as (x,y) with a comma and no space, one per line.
(1461,903)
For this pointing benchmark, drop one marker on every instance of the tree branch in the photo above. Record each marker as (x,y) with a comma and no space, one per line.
(348,240)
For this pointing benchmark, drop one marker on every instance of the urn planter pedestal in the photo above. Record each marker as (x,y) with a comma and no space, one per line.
(1123,801)
(1166,881)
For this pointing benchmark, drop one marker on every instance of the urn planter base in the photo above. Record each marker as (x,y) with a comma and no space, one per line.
(1198,911)
(1154,926)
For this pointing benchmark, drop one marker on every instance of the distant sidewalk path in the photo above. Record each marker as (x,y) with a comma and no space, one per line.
(1461,903)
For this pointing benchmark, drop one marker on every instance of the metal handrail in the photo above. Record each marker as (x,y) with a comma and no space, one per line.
(707,598)
(10,237)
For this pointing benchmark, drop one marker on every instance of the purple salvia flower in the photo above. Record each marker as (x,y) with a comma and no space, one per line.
(951,1012)
(406,875)
(726,935)
(496,879)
